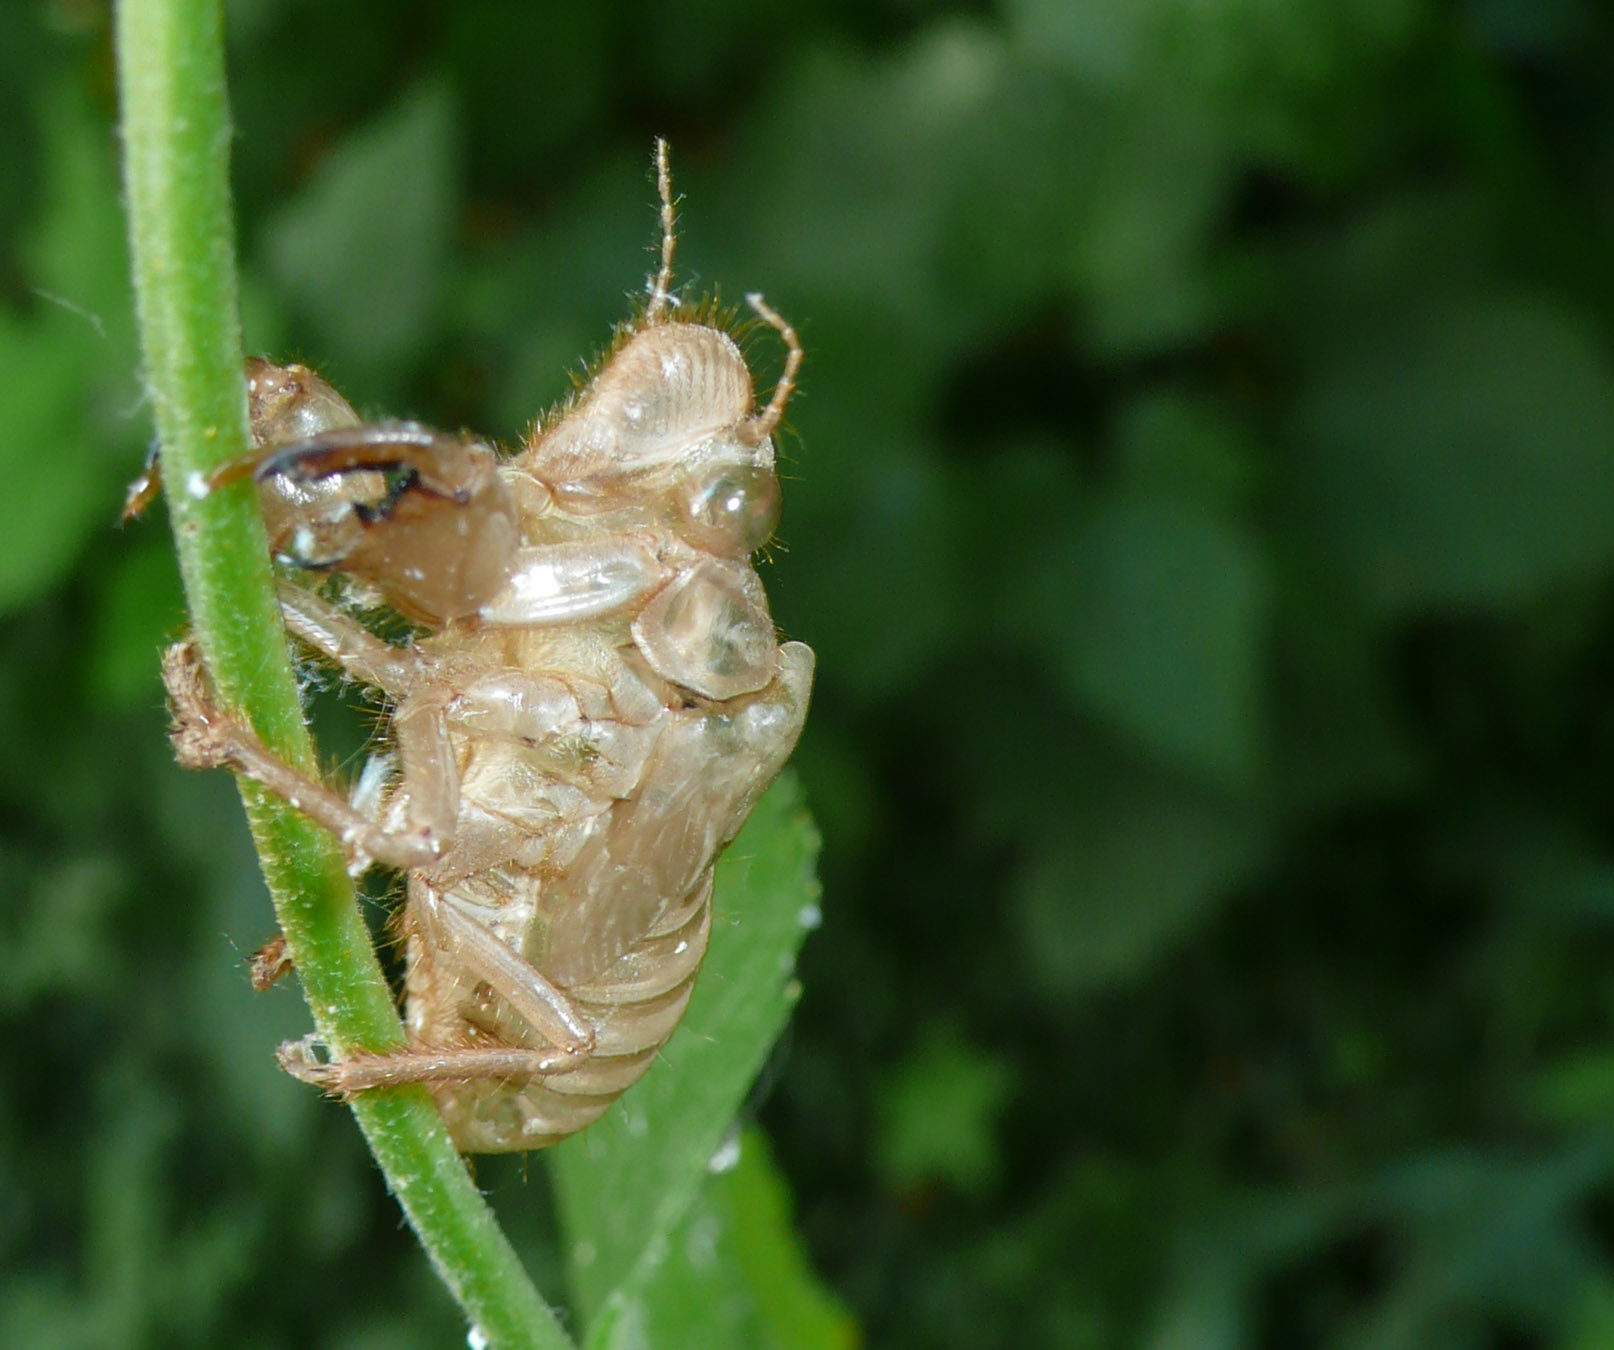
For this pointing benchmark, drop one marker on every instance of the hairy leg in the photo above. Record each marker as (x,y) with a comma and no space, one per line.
(205,737)
(346,642)
(542,1007)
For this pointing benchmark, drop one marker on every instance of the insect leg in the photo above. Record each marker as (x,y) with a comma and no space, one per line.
(425,515)
(144,490)
(511,976)
(338,636)
(537,1002)
(463,1064)
(269,964)
(206,738)
(438,464)
(431,781)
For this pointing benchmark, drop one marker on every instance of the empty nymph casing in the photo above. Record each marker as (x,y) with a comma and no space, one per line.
(591,705)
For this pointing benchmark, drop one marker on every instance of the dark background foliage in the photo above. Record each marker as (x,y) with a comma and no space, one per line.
(1201,498)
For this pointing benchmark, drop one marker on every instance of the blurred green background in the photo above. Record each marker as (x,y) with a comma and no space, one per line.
(1201,499)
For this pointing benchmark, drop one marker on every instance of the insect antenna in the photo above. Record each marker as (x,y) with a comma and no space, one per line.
(660,286)
(759,427)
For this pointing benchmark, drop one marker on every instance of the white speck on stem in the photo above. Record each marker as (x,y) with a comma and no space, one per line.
(655,1252)
(727,1156)
(476,1338)
(809,917)
(196,484)
(700,1246)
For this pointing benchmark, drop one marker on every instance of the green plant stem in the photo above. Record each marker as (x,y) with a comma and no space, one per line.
(176,133)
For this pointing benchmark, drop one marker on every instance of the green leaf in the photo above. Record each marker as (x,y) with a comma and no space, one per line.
(1156,611)
(1593,1321)
(936,1116)
(57,932)
(63,402)
(362,251)
(1573,1092)
(1463,460)
(53,498)
(1137,862)
(1188,448)
(1338,731)
(902,525)
(734,1273)
(626,1183)
(139,604)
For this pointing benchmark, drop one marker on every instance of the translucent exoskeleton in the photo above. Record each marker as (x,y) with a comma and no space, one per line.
(593,703)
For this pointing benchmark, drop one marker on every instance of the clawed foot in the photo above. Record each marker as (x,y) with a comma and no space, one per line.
(201,735)
(270,964)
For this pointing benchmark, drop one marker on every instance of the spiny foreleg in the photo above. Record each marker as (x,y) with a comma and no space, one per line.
(205,737)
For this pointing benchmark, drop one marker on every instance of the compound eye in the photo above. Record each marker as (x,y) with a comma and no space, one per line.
(731,510)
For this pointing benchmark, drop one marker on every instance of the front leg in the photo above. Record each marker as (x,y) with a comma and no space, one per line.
(204,737)
(342,639)
(424,515)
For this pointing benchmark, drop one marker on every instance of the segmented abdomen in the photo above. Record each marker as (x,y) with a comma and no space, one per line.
(634,1007)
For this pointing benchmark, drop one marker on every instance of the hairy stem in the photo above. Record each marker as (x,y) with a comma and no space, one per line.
(176,133)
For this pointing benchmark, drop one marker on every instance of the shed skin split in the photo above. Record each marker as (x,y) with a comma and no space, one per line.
(594,702)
